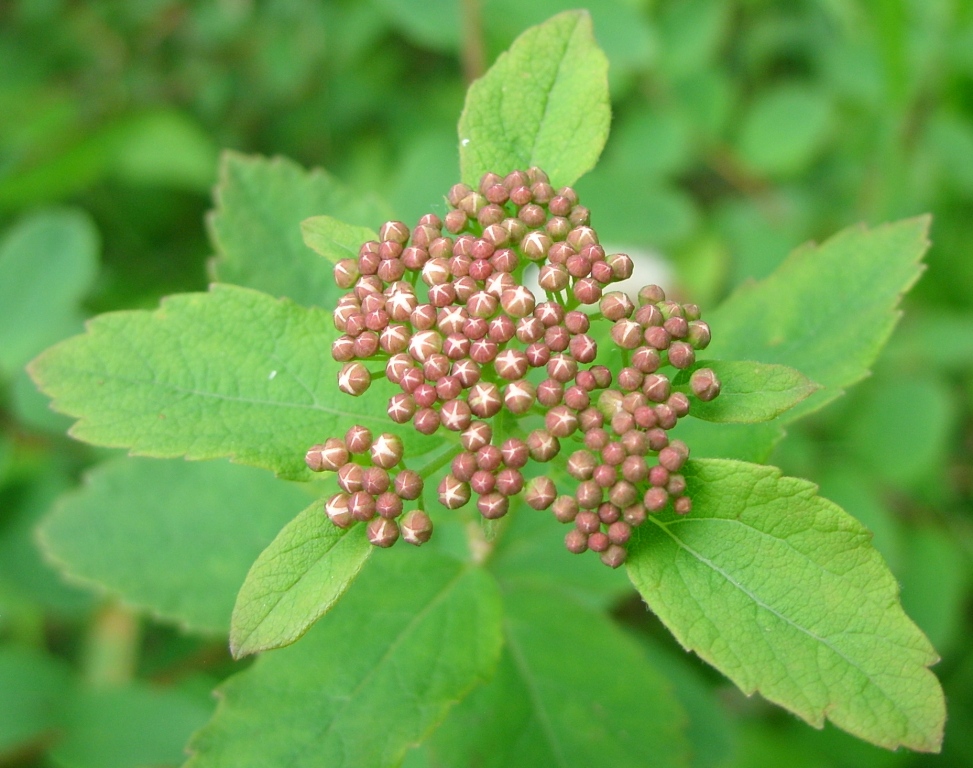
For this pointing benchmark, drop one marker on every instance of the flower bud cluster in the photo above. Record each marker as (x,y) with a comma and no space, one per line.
(374,487)
(443,307)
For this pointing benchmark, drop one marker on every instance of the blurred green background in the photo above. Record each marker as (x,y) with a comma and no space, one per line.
(741,129)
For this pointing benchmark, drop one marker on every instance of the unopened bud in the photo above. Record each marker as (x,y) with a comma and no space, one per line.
(416,527)
(354,379)
(382,532)
(540,492)
(705,384)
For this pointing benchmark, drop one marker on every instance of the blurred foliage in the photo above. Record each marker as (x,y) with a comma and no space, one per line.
(741,129)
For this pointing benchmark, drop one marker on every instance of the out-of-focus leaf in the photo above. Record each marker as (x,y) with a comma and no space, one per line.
(173,538)
(783,129)
(47,263)
(33,687)
(935,579)
(128,727)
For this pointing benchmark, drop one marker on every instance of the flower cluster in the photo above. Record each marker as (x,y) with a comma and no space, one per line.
(472,351)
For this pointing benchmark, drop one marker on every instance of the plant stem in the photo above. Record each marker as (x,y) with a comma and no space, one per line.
(111,647)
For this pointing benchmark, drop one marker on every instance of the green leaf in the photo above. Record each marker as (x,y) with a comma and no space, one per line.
(31,696)
(174,538)
(128,727)
(295,581)
(571,690)
(783,592)
(531,553)
(334,239)
(827,310)
(229,373)
(47,263)
(412,637)
(784,128)
(256,227)
(935,578)
(745,442)
(751,392)
(543,103)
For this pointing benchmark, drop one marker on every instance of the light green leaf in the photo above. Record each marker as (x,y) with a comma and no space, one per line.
(232,372)
(544,103)
(553,703)
(751,392)
(256,227)
(295,581)
(334,239)
(782,591)
(174,538)
(412,637)
(827,310)
(47,263)
(32,694)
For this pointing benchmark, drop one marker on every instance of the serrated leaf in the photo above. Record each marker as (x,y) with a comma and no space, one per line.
(47,263)
(552,704)
(827,310)
(295,581)
(413,636)
(229,373)
(333,238)
(173,538)
(543,103)
(782,591)
(751,392)
(256,227)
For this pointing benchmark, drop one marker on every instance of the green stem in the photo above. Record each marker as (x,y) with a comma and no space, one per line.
(111,647)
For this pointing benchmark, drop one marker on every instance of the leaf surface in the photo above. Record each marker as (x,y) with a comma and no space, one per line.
(827,310)
(256,227)
(295,581)
(543,103)
(571,690)
(333,238)
(173,538)
(782,591)
(751,392)
(229,373)
(414,634)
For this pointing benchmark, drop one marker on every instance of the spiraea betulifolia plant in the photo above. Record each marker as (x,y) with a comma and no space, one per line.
(443,312)
(464,373)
